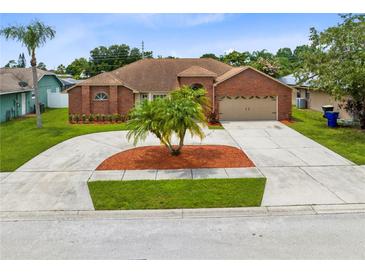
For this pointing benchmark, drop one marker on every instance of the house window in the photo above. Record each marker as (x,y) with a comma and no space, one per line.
(158,96)
(196,86)
(101,96)
(143,96)
(57,89)
(298,94)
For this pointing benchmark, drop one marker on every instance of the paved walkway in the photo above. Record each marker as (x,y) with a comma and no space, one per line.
(299,171)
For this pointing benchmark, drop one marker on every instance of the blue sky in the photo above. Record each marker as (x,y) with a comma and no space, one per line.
(181,35)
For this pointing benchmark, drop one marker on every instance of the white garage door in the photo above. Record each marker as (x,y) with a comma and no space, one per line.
(246,108)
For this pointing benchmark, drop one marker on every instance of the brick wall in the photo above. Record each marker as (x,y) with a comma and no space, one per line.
(125,100)
(82,100)
(250,82)
(207,83)
(74,100)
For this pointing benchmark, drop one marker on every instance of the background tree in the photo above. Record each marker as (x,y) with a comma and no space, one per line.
(32,37)
(110,58)
(236,58)
(61,69)
(335,63)
(41,66)
(11,64)
(77,67)
(210,55)
(21,61)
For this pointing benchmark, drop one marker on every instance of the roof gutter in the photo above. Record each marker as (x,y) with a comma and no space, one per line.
(15,91)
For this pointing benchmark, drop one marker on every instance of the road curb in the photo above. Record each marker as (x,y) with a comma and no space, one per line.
(266,211)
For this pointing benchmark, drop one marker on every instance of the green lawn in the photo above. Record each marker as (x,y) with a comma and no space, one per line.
(21,140)
(348,142)
(147,194)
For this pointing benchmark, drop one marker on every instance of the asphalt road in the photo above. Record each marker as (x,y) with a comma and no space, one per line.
(326,236)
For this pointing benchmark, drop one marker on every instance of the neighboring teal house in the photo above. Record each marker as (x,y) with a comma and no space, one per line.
(17,93)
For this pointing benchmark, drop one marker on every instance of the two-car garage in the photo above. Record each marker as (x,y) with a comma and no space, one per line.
(247,108)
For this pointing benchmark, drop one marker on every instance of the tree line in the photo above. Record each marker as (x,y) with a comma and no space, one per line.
(103,59)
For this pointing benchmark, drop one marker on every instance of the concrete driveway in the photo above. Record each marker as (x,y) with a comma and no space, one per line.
(299,170)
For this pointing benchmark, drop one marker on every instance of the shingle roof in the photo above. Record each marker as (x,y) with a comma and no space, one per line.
(156,74)
(196,71)
(230,74)
(10,78)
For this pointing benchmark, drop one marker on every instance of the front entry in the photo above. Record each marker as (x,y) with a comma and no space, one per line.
(247,108)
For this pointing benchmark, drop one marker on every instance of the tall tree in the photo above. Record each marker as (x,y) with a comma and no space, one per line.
(21,61)
(109,58)
(336,62)
(61,69)
(236,58)
(77,67)
(31,36)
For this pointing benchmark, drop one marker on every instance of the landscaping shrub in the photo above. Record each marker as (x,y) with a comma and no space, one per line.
(83,117)
(91,118)
(181,112)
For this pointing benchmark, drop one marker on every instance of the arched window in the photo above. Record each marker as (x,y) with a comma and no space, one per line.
(101,96)
(196,86)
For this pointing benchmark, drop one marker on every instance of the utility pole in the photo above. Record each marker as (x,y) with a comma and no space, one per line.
(142,49)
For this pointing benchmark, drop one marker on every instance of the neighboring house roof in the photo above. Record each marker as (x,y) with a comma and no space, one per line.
(70,81)
(291,80)
(197,71)
(11,77)
(11,84)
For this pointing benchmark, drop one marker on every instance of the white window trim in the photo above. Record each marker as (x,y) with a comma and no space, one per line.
(101,100)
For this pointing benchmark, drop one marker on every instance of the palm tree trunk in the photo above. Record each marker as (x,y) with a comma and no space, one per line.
(33,63)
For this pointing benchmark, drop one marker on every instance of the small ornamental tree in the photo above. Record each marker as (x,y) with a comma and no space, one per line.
(335,63)
(181,112)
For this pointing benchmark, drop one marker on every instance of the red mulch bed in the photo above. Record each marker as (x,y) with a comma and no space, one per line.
(287,122)
(158,157)
(214,124)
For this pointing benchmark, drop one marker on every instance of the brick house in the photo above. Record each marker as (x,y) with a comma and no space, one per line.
(236,93)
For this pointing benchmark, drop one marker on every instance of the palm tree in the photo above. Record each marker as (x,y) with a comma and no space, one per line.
(32,37)
(176,114)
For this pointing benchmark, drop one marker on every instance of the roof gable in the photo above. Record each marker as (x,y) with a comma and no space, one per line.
(197,71)
(238,70)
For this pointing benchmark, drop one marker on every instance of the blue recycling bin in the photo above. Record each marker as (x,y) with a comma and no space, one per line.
(332,117)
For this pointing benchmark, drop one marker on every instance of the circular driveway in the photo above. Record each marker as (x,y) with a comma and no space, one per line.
(298,170)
